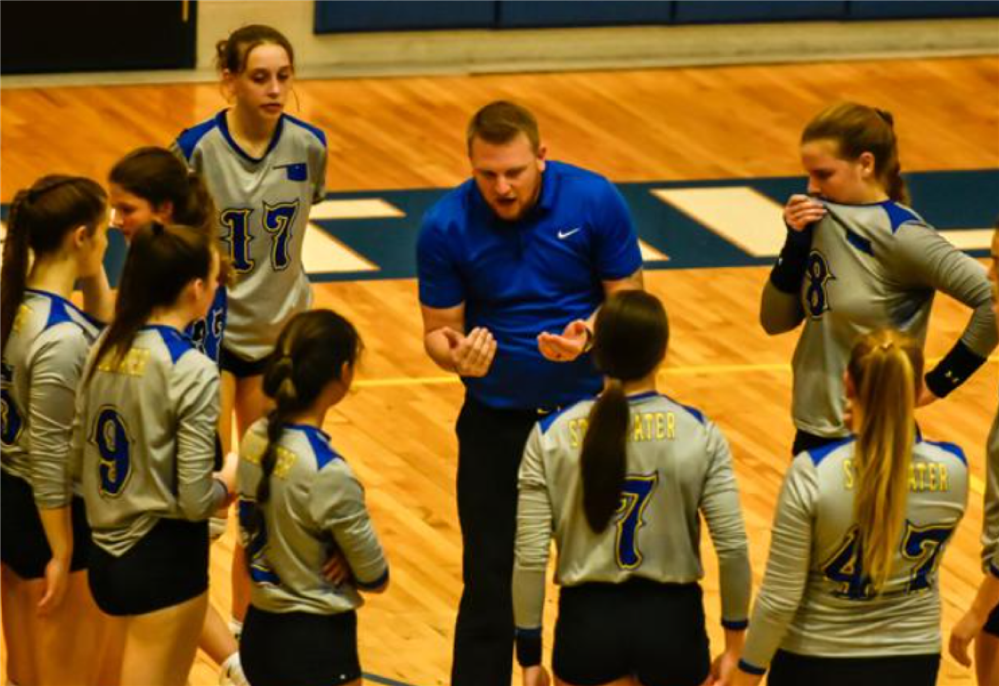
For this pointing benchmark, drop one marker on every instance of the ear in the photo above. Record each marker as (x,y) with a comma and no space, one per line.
(851,388)
(541,154)
(163,213)
(80,235)
(866,161)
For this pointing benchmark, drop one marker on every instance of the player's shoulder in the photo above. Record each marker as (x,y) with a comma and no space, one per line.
(59,322)
(941,451)
(826,454)
(190,138)
(311,133)
(178,351)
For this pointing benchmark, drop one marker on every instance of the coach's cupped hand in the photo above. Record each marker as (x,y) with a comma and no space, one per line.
(567,346)
(471,355)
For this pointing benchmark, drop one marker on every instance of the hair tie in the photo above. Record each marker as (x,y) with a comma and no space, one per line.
(886,345)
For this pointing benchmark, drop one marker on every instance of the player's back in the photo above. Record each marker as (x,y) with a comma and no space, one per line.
(839,614)
(676,460)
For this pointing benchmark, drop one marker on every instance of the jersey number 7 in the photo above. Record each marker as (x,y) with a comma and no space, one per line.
(634,498)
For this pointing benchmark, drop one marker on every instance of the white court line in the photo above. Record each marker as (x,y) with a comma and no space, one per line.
(323,254)
(739,214)
(364,208)
(650,254)
(754,222)
(970,239)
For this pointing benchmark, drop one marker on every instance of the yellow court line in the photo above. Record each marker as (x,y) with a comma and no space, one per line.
(669,371)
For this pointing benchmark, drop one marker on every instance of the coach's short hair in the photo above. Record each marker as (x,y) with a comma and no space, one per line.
(500,122)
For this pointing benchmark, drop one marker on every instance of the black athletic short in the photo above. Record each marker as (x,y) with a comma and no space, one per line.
(650,630)
(299,648)
(992,624)
(167,567)
(23,544)
(789,669)
(239,366)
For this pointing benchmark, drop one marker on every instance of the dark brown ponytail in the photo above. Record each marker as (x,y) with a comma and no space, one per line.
(630,339)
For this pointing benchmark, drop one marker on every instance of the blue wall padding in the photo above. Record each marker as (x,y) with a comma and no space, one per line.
(515,14)
(718,11)
(915,9)
(349,17)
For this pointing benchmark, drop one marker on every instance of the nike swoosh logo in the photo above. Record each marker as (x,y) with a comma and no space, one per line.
(562,235)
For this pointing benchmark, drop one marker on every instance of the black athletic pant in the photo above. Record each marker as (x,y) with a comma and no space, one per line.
(490,447)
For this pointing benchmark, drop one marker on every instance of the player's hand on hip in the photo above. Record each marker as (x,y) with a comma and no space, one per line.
(567,346)
(536,676)
(337,570)
(471,355)
(802,210)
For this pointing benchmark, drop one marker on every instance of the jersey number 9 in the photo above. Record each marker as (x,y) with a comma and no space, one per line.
(110,435)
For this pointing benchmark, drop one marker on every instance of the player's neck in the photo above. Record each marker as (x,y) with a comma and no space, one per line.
(251,133)
(647,384)
(313,416)
(174,317)
(53,276)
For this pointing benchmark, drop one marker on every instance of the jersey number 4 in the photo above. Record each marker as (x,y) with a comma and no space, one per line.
(921,545)
(278,221)
(634,499)
(110,435)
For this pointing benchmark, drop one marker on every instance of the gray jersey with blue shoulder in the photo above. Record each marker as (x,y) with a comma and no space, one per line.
(678,467)
(990,530)
(816,600)
(42,363)
(144,438)
(263,207)
(316,507)
(870,267)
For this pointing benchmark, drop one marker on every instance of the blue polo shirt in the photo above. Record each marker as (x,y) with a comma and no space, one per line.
(518,279)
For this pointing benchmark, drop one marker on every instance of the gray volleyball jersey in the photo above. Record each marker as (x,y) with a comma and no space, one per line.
(678,466)
(144,438)
(316,506)
(815,599)
(42,363)
(263,207)
(990,531)
(870,267)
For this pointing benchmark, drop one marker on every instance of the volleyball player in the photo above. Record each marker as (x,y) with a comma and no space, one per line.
(856,259)
(850,592)
(981,622)
(56,236)
(620,483)
(152,184)
(300,505)
(144,440)
(264,169)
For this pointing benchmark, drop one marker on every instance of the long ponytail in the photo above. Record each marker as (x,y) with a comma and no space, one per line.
(886,369)
(40,217)
(630,338)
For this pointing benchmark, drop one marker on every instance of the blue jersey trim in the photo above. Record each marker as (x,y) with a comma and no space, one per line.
(642,396)
(736,626)
(898,215)
(314,130)
(61,307)
(223,125)
(751,669)
(188,139)
(546,422)
(176,343)
(697,414)
(951,448)
(859,242)
(819,454)
(372,585)
(319,442)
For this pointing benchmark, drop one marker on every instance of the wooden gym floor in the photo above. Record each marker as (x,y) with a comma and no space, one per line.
(677,124)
